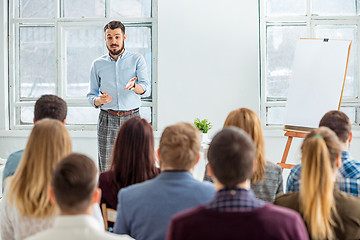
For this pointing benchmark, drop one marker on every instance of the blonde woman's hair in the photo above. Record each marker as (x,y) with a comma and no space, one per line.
(49,141)
(320,151)
(247,120)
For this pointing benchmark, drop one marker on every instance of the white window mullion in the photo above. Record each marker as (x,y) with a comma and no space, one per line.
(60,61)
(107,8)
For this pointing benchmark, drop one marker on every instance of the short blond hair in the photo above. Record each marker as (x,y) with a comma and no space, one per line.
(179,146)
(49,141)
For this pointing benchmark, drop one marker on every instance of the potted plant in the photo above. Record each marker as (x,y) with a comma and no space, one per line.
(204,126)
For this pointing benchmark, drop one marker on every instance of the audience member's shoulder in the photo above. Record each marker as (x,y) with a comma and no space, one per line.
(204,186)
(139,187)
(94,235)
(283,211)
(270,166)
(296,168)
(209,186)
(188,214)
(105,176)
(113,236)
(352,203)
(15,155)
(287,199)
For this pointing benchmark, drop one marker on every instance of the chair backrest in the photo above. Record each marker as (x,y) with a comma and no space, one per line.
(109,215)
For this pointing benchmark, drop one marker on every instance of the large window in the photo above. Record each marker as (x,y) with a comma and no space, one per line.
(52,44)
(282,23)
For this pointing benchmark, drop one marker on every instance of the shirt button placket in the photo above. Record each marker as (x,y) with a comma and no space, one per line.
(118,81)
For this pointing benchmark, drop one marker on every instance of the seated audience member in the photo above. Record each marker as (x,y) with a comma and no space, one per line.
(348,178)
(144,210)
(235,212)
(267,179)
(133,160)
(73,189)
(47,106)
(327,212)
(26,206)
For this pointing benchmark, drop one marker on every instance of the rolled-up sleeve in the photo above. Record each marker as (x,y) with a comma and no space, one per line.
(143,77)
(94,85)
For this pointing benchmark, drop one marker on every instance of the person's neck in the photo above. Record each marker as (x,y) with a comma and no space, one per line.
(244,185)
(115,57)
(87,212)
(172,169)
(344,146)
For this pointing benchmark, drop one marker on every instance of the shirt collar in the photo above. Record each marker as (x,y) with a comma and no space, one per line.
(235,199)
(77,221)
(120,57)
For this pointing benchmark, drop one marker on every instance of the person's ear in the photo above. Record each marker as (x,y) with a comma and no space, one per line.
(197,159)
(34,120)
(158,155)
(52,196)
(210,172)
(350,137)
(96,196)
(64,121)
(125,36)
(254,165)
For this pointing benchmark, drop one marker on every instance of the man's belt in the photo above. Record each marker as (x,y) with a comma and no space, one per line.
(122,113)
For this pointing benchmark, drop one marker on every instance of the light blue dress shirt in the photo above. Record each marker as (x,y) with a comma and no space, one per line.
(11,165)
(110,76)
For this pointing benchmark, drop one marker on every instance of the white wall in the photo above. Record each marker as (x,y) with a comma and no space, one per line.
(208,59)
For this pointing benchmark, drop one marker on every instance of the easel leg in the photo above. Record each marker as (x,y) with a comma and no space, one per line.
(286,152)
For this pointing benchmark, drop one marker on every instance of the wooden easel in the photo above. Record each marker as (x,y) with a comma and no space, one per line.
(291,133)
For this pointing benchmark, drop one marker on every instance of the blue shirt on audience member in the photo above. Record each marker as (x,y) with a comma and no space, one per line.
(348,179)
(11,165)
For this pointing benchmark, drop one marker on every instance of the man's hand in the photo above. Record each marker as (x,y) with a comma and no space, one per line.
(102,99)
(131,84)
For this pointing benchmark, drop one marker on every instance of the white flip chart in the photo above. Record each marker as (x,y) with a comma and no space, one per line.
(317,82)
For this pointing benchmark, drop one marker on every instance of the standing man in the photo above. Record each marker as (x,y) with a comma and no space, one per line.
(117,81)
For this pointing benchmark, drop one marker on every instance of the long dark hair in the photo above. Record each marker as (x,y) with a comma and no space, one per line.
(133,157)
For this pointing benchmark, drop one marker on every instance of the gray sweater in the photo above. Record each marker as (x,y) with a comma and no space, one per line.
(272,184)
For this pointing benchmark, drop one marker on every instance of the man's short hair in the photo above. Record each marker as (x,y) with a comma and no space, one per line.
(113,25)
(50,106)
(179,146)
(231,156)
(74,181)
(338,122)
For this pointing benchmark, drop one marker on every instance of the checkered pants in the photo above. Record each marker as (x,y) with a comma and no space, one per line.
(107,129)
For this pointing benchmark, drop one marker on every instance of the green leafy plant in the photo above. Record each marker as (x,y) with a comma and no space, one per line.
(203,125)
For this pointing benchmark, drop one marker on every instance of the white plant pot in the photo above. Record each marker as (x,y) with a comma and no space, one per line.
(204,138)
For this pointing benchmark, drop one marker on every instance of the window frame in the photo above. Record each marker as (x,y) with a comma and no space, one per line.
(310,21)
(60,23)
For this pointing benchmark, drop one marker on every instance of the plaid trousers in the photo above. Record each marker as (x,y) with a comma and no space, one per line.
(107,130)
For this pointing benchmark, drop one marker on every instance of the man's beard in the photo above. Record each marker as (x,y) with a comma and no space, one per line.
(117,52)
